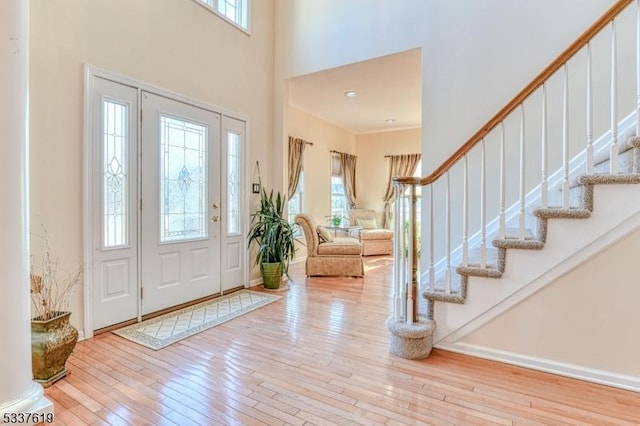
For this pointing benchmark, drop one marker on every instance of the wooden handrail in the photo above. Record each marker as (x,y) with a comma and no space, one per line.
(554,66)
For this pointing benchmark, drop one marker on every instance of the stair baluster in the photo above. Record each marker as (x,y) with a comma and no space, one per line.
(613,146)
(544,185)
(447,238)
(565,139)
(483,206)
(465,214)
(589,100)
(432,269)
(503,189)
(523,194)
(397,246)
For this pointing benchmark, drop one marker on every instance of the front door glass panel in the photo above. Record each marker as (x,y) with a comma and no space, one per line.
(183,180)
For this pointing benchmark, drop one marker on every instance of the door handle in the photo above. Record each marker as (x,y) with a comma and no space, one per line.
(215,218)
(215,206)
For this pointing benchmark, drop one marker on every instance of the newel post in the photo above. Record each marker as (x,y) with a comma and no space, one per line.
(410,335)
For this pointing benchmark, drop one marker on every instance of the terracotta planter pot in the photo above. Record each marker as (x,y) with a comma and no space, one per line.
(52,342)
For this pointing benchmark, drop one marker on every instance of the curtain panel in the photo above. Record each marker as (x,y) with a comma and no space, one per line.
(399,166)
(348,169)
(296,157)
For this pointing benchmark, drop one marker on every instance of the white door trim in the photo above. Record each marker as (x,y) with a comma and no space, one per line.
(92,72)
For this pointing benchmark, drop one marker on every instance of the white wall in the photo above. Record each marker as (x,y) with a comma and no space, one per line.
(586,318)
(479,54)
(178,45)
(373,167)
(314,35)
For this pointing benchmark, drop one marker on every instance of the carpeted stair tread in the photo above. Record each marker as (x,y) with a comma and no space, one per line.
(608,179)
(458,290)
(512,240)
(494,264)
(560,213)
(514,234)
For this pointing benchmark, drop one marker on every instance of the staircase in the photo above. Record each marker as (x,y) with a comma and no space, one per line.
(470,269)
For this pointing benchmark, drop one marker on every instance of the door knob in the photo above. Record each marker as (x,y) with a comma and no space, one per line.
(215,218)
(215,206)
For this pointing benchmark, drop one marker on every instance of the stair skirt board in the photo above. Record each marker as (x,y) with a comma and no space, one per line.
(621,381)
(570,243)
(584,255)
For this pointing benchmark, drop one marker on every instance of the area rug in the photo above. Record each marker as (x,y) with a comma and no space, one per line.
(161,331)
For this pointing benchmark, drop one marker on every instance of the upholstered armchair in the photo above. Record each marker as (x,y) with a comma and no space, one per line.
(375,240)
(334,257)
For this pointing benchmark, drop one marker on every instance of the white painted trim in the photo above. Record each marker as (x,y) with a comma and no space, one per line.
(255,282)
(247,202)
(577,259)
(87,203)
(573,371)
(91,72)
(147,87)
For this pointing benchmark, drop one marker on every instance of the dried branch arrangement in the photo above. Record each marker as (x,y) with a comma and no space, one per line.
(51,290)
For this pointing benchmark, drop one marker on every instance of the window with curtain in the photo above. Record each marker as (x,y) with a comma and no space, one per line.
(339,201)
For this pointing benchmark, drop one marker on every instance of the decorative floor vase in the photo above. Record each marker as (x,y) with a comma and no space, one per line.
(52,341)
(271,275)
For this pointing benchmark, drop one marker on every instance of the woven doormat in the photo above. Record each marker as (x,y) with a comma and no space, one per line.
(161,331)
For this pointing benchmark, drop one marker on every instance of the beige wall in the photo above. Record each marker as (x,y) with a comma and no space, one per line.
(177,45)
(317,166)
(587,318)
(373,167)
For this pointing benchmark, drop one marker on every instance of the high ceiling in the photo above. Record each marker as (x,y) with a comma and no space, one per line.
(388,88)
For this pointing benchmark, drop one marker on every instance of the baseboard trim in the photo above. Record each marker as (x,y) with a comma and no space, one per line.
(621,381)
(255,282)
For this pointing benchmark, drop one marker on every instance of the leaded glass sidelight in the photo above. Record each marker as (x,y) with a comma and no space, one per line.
(233,183)
(183,180)
(115,180)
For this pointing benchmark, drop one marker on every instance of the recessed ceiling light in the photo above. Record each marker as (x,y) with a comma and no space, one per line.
(390,120)
(351,93)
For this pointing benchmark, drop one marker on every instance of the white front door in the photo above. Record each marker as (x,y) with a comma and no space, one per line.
(166,203)
(180,196)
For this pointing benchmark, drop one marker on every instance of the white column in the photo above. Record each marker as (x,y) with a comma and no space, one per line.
(18,392)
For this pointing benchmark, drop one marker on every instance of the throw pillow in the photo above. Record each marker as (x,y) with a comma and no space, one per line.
(323,234)
(367,223)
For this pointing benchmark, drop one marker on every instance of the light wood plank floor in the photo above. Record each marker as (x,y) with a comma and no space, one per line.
(317,356)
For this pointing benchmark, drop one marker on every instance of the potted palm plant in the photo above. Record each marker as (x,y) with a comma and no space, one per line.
(274,238)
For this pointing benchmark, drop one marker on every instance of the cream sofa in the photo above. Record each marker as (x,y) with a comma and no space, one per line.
(375,240)
(341,256)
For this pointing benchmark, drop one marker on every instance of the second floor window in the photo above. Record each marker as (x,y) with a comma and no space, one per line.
(235,11)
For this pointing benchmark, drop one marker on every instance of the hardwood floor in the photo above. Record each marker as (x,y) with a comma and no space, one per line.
(317,356)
